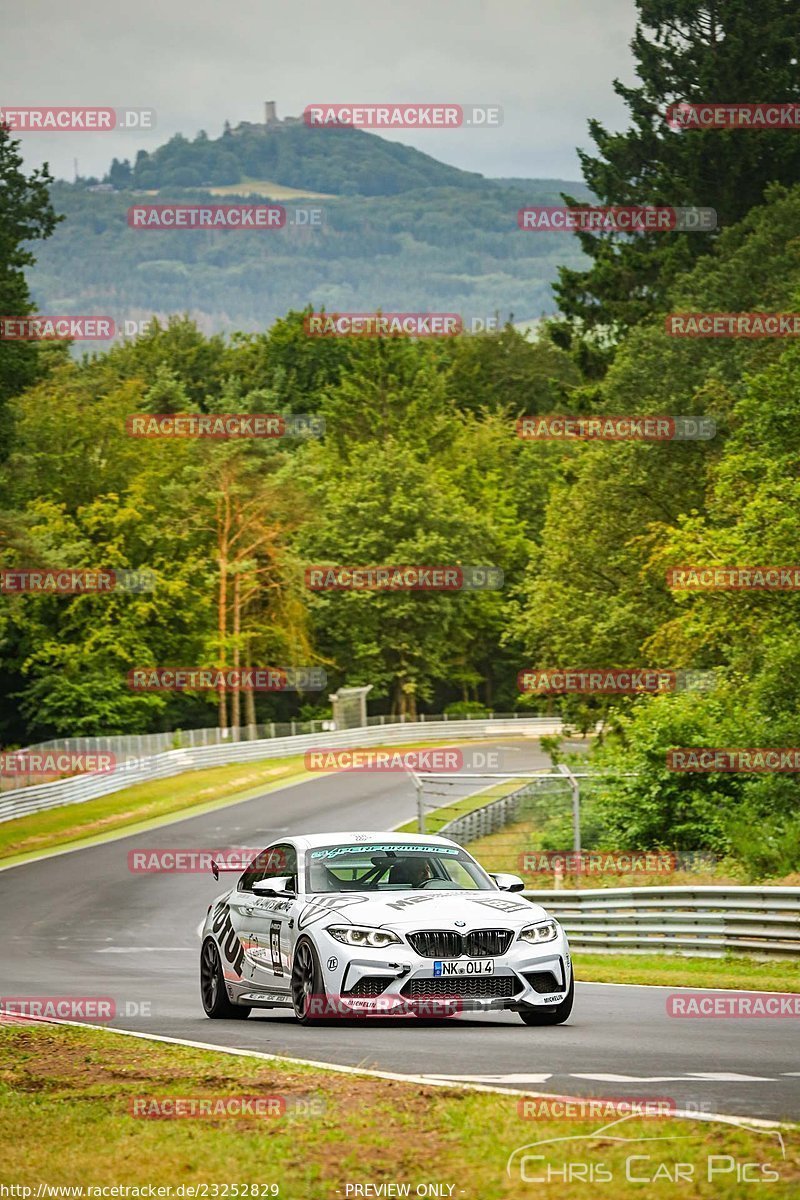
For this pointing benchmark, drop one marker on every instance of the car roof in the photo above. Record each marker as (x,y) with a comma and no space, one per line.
(307,841)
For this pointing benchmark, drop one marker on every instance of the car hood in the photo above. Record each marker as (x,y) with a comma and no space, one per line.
(431,910)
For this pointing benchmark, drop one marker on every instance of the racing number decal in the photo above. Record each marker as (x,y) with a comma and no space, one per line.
(275,946)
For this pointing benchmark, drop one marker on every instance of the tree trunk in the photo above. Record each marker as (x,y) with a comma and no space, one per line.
(223,533)
(237,657)
(250,702)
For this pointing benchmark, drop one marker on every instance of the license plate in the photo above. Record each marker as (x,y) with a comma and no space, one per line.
(460,966)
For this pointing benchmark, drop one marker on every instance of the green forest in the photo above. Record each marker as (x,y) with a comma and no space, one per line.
(444,248)
(421,463)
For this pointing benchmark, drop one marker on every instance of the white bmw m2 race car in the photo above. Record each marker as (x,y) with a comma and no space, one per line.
(354,924)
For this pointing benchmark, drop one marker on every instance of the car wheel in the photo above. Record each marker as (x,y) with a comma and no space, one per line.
(554,1014)
(307,986)
(212,987)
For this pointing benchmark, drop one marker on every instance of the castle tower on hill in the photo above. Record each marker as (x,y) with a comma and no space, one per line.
(271,121)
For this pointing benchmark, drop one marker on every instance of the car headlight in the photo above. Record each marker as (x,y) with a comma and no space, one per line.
(359,935)
(542,931)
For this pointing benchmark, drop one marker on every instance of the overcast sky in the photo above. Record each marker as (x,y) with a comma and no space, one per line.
(548,63)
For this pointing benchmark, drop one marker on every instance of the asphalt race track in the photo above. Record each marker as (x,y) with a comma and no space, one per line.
(81,923)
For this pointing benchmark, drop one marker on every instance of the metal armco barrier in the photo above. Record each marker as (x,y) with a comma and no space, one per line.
(497,814)
(80,788)
(708,921)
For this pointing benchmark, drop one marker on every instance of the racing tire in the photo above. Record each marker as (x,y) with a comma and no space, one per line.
(213,992)
(307,986)
(554,1014)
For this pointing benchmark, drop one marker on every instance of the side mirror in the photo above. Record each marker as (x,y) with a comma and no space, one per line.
(508,883)
(281,885)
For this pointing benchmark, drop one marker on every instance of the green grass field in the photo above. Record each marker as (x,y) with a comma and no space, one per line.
(674,970)
(132,807)
(265,187)
(69,1099)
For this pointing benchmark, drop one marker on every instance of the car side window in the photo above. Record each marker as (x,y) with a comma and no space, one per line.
(271,863)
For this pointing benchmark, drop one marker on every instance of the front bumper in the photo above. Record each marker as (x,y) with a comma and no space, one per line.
(396,978)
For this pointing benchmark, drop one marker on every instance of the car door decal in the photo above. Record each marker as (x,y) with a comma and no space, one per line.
(228,939)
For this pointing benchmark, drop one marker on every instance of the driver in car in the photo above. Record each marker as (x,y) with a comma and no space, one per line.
(412,872)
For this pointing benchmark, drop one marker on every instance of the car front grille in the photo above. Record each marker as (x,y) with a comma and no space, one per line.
(485,943)
(437,943)
(483,987)
(442,943)
(368,985)
(543,982)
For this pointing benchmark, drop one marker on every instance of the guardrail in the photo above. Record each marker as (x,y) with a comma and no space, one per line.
(147,745)
(81,788)
(709,921)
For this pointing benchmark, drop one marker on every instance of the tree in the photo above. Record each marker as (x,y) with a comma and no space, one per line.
(403,480)
(120,174)
(26,214)
(685,50)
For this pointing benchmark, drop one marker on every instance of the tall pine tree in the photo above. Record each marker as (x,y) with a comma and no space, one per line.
(719,51)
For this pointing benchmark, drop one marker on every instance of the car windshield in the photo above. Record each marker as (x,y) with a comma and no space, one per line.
(393,867)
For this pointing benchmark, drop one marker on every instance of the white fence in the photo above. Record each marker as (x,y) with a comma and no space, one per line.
(708,921)
(174,762)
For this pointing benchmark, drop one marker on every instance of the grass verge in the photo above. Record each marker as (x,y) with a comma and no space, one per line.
(68,1095)
(144,803)
(672,970)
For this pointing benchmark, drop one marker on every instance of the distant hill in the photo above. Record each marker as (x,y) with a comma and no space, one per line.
(343,161)
(403,232)
(554,187)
